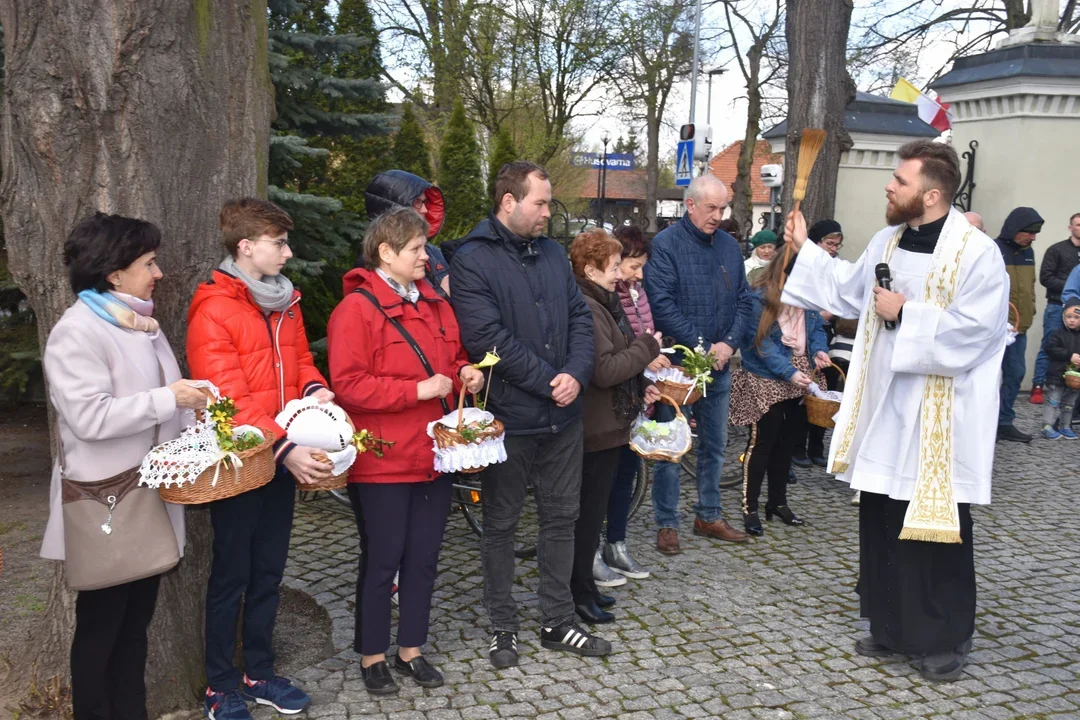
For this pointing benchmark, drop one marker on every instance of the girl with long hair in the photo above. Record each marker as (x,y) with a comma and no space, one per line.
(778,357)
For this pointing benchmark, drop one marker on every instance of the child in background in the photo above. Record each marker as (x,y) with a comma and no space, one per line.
(1063,349)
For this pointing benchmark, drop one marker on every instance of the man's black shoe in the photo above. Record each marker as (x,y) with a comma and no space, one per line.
(1011,434)
(573,639)
(801,460)
(503,651)
(819,460)
(947,665)
(869,647)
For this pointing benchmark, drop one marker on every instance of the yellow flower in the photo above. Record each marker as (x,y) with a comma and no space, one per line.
(219,416)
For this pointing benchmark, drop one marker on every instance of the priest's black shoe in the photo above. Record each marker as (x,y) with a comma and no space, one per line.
(752,523)
(605,601)
(378,680)
(947,665)
(591,614)
(869,647)
(819,460)
(1011,434)
(801,460)
(784,513)
(420,670)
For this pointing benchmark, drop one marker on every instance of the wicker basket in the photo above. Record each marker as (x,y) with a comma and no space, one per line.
(679,390)
(448,437)
(258,469)
(663,456)
(1072,381)
(820,412)
(334,482)
(1014,313)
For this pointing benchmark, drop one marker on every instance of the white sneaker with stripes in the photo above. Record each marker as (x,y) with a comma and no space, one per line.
(572,638)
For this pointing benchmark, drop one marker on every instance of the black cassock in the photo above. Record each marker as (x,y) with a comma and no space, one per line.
(918,596)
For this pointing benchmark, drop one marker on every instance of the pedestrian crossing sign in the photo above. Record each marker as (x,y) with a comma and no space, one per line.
(684,163)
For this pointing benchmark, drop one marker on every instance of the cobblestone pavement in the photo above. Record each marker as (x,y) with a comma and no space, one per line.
(760,630)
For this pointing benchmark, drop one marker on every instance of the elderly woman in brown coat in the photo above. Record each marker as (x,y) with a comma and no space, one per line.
(616,393)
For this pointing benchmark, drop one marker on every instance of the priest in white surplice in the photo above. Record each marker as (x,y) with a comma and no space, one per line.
(916,429)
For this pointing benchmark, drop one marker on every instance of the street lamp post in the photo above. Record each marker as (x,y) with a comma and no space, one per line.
(708,98)
(602,179)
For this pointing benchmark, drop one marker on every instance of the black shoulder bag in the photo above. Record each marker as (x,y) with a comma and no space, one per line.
(409,339)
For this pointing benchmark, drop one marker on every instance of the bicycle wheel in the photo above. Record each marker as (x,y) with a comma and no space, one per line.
(731,472)
(469,498)
(341,497)
(642,481)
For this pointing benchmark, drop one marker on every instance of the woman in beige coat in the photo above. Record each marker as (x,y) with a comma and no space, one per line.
(112,379)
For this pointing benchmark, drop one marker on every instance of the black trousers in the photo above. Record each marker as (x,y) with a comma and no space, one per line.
(551,463)
(251,544)
(108,654)
(919,596)
(404,524)
(353,489)
(772,440)
(597,477)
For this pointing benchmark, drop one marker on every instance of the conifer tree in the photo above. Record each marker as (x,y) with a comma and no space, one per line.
(503,152)
(329,105)
(459,175)
(411,152)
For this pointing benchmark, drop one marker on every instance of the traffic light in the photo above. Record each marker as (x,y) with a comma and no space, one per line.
(702,137)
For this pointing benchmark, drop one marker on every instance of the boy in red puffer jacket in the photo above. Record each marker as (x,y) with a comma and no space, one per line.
(246,335)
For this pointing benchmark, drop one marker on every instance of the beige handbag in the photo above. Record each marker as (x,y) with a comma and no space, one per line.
(115,532)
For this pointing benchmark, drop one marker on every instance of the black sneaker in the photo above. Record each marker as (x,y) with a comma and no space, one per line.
(573,639)
(503,651)
(1010,433)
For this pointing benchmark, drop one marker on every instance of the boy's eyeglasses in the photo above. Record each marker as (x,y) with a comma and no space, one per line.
(279,244)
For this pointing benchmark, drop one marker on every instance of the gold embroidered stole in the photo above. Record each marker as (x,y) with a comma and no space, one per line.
(932,514)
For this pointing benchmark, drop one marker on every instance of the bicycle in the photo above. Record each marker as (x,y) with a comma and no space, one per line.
(468,499)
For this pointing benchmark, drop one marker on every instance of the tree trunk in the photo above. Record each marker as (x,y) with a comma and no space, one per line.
(819,88)
(652,168)
(742,206)
(149,108)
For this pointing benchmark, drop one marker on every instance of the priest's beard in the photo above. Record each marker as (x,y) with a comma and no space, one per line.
(900,214)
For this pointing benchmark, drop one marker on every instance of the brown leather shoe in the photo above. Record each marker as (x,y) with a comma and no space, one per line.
(667,541)
(720,530)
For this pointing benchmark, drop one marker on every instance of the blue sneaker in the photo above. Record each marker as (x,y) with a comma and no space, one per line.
(1049,433)
(279,693)
(225,706)
(1067,433)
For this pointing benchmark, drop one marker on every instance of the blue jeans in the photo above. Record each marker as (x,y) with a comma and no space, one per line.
(711,413)
(1051,322)
(1013,368)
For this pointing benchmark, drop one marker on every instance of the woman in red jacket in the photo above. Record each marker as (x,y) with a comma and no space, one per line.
(394,348)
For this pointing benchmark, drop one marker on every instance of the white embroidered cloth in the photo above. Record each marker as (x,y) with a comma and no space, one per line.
(471,455)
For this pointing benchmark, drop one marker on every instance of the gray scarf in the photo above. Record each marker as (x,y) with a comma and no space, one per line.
(273,293)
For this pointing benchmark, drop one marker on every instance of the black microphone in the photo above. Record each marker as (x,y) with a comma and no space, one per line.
(884,280)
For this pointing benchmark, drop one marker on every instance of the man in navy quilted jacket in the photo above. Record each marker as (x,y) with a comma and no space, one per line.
(698,293)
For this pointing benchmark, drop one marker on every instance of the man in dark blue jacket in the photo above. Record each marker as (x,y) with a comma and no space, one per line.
(514,292)
(698,293)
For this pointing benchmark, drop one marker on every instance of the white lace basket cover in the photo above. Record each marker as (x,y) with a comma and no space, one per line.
(181,461)
(469,456)
(320,425)
(818,392)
